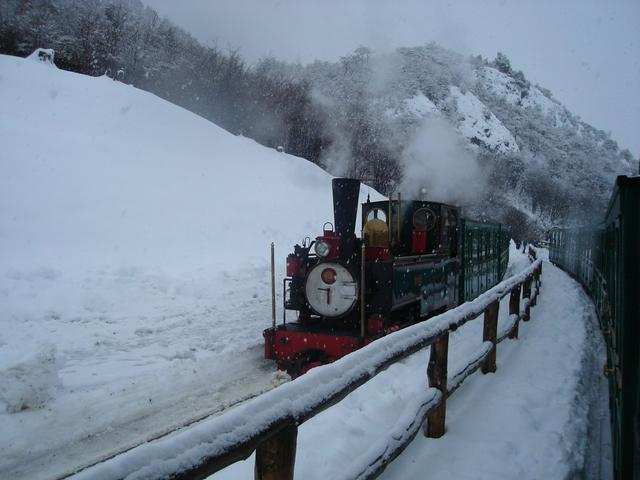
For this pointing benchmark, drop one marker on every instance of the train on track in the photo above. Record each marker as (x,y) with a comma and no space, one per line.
(605,258)
(414,259)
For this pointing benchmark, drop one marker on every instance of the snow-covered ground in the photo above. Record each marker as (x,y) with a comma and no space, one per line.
(540,415)
(134,264)
(134,287)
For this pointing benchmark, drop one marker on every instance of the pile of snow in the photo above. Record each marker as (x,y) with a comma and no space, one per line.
(44,55)
(30,380)
(134,237)
(477,123)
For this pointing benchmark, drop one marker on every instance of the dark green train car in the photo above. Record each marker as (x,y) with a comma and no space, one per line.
(606,259)
(484,256)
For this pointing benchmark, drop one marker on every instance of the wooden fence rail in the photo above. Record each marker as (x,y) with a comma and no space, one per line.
(268,424)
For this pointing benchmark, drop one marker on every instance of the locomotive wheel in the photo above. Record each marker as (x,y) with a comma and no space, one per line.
(305,361)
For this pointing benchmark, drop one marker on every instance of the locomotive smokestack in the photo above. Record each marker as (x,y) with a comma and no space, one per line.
(346,192)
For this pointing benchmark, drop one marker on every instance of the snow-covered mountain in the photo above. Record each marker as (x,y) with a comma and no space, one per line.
(552,168)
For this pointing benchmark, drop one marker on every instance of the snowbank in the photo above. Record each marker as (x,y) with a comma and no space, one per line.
(30,380)
(134,238)
(44,55)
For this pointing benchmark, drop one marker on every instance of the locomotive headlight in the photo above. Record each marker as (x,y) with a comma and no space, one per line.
(331,290)
(322,248)
(329,276)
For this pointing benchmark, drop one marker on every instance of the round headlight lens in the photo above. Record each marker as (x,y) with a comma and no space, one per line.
(329,276)
(322,248)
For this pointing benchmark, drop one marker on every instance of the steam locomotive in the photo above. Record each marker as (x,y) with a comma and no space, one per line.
(414,259)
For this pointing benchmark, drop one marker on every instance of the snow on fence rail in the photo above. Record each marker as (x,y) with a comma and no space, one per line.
(268,424)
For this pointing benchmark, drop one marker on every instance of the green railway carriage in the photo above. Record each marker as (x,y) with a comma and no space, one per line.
(606,260)
(484,256)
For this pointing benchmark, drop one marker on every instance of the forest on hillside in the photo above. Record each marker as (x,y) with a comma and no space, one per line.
(364,116)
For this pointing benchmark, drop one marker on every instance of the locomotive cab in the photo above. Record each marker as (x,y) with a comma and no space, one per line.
(411,260)
(375,233)
(412,227)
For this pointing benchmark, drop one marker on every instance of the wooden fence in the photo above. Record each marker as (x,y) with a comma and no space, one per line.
(268,424)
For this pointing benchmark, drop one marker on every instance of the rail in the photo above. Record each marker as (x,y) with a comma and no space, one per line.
(268,424)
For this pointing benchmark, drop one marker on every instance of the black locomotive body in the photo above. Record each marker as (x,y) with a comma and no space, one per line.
(404,268)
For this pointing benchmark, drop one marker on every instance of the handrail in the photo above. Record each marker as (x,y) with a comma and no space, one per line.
(268,423)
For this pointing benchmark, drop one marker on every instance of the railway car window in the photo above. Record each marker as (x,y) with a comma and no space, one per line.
(378,213)
(444,229)
(376,231)
(453,232)
(424,219)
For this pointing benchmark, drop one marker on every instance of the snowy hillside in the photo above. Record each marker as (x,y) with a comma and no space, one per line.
(478,125)
(134,264)
(552,167)
(508,88)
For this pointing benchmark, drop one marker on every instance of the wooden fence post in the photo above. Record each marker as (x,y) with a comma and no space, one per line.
(539,276)
(534,298)
(490,334)
(514,309)
(536,280)
(276,456)
(437,374)
(526,293)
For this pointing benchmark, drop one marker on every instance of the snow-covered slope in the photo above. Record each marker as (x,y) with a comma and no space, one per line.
(417,107)
(506,87)
(134,271)
(479,125)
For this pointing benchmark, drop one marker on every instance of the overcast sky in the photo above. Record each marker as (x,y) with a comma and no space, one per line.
(587,52)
